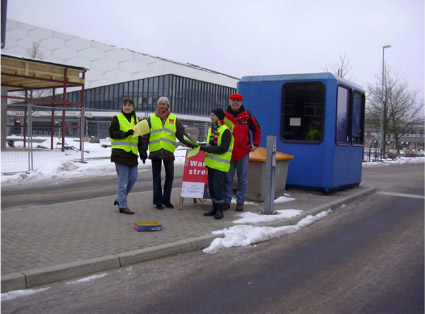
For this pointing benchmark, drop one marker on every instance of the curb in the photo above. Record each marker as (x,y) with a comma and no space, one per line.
(46,275)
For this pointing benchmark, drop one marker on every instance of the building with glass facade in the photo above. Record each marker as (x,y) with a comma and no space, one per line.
(115,73)
(191,100)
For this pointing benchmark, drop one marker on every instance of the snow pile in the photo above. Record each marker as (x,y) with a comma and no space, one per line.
(20,293)
(245,235)
(86,279)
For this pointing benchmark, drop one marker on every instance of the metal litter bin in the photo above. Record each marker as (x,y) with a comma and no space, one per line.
(257,174)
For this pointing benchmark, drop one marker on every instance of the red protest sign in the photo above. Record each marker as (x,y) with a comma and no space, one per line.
(195,177)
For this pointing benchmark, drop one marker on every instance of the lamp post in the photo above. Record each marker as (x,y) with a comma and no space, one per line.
(381,131)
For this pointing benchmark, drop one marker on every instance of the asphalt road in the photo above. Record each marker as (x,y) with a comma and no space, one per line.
(366,257)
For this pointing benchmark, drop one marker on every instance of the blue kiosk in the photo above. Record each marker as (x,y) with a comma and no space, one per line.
(318,118)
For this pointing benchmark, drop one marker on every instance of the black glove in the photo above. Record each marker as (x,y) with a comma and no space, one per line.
(143,156)
(129,132)
(204,148)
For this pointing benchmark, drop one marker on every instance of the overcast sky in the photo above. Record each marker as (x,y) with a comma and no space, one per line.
(250,37)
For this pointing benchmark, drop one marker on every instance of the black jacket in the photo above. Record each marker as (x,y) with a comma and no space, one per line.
(119,155)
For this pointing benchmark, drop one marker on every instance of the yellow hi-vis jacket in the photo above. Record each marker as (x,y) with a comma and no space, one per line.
(163,136)
(220,161)
(129,143)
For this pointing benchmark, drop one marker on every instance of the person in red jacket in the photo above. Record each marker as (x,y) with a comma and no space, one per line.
(244,124)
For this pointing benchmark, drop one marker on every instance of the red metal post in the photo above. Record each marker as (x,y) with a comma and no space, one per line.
(25,118)
(65,81)
(83,112)
(53,119)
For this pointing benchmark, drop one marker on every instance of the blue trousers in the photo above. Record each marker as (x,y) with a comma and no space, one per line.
(241,169)
(127,177)
(160,196)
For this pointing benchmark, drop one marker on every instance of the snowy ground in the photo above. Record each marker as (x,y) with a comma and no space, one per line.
(58,166)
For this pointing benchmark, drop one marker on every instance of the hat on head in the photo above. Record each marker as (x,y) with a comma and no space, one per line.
(219,113)
(236,96)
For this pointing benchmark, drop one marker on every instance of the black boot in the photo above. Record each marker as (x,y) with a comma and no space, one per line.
(219,212)
(212,211)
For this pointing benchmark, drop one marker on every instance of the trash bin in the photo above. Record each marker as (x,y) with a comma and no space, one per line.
(257,174)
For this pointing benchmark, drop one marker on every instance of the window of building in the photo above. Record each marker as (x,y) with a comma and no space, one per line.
(150,94)
(156,94)
(166,85)
(343,115)
(302,112)
(357,134)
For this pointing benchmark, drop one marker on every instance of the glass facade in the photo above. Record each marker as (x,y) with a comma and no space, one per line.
(187,96)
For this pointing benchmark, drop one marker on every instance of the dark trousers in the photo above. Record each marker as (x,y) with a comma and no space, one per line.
(160,197)
(216,181)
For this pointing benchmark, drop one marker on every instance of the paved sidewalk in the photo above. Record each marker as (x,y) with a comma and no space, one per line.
(45,244)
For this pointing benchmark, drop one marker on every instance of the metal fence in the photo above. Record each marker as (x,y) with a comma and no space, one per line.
(35,139)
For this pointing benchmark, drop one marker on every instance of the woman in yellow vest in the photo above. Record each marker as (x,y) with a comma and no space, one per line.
(165,128)
(124,152)
(218,150)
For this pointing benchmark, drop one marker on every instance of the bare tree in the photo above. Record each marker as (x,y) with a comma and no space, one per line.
(341,68)
(401,108)
(35,52)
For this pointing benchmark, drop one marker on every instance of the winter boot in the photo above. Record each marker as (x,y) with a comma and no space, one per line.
(219,213)
(212,211)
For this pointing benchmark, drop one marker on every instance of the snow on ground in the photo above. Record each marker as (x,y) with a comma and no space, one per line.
(58,166)
(246,235)
(86,279)
(20,293)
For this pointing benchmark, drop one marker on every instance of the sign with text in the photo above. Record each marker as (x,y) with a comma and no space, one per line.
(195,177)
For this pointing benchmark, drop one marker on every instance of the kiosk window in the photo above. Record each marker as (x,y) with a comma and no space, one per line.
(342,119)
(302,112)
(357,135)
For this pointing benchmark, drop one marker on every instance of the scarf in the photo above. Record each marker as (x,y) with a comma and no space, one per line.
(214,132)
(129,115)
(162,115)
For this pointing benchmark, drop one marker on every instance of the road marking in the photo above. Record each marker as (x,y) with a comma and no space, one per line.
(402,195)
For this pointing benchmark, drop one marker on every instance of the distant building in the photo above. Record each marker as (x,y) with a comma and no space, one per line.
(116,73)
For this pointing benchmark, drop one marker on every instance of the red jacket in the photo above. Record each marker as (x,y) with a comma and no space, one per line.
(244,122)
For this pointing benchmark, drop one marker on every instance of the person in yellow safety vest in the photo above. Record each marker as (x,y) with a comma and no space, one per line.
(125,149)
(314,133)
(165,128)
(218,150)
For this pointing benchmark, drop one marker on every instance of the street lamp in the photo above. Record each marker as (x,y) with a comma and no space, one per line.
(381,131)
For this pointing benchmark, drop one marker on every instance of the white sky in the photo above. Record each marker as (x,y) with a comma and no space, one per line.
(250,37)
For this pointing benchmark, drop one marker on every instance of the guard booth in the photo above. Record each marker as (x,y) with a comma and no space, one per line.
(317,118)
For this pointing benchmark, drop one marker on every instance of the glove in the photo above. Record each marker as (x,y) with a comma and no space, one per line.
(129,132)
(143,156)
(204,148)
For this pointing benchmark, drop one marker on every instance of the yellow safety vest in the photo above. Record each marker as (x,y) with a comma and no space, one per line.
(163,136)
(219,161)
(129,143)
(312,134)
